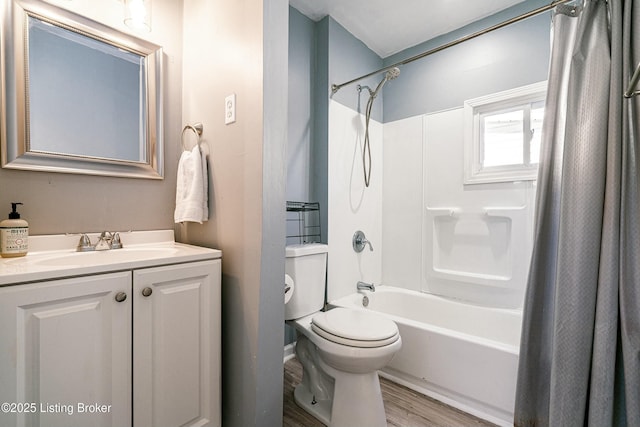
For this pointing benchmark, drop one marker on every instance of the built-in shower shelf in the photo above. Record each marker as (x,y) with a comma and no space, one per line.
(491,211)
(464,276)
(475,245)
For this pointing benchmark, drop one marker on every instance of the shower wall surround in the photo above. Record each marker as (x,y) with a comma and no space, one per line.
(451,244)
(471,243)
(418,166)
(478,238)
(402,237)
(352,206)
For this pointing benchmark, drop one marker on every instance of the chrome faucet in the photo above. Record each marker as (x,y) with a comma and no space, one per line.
(106,241)
(363,286)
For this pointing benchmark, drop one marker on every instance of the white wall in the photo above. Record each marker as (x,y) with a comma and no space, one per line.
(352,206)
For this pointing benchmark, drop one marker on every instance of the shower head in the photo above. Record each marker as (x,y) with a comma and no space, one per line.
(392,73)
(389,75)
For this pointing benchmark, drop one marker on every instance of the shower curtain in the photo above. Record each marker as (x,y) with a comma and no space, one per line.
(580,348)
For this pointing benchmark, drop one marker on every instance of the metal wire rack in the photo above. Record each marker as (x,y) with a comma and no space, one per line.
(303,222)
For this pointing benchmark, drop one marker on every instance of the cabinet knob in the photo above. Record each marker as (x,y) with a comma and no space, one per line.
(121,296)
(147,291)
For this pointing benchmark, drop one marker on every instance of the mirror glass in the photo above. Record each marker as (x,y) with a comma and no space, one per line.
(87,97)
(98,84)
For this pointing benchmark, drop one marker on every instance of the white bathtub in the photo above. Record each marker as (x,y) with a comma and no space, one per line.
(461,354)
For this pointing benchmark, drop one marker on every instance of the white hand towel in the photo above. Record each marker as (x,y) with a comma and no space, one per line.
(192,202)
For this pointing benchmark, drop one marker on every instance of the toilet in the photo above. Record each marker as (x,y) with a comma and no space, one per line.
(340,349)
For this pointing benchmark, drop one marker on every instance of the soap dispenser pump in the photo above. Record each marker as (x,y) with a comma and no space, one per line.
(14,234)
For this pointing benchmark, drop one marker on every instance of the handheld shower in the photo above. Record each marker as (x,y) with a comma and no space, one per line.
(391,74)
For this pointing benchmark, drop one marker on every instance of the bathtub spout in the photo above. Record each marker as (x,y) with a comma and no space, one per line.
(366,286)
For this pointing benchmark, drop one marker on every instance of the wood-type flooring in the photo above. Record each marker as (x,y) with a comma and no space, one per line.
(404,407)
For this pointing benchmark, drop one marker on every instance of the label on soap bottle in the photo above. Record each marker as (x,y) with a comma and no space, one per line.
(14,240)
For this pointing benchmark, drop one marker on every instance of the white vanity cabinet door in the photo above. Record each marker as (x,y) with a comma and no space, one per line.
(176,333)
(65,352)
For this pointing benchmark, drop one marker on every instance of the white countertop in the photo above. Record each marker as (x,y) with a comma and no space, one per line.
(55,256)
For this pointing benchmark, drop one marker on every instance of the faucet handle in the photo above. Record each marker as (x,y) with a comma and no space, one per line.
(359,241)
(84,245)
(116,243)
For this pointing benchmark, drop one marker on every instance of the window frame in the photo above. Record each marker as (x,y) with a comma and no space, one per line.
(474,110)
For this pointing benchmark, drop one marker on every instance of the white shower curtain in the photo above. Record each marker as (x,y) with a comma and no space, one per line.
(580,349)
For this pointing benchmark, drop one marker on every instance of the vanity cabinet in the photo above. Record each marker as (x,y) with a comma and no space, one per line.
(138,347)
(176,345)
(64,343)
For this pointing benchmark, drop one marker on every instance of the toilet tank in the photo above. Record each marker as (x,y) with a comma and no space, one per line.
(306,266)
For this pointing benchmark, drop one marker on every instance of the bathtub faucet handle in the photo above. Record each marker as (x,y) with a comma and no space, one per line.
(359,241)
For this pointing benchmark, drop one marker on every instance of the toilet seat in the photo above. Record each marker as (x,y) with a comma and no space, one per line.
(355,328)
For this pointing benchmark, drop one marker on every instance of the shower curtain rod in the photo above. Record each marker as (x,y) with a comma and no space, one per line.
(335,87)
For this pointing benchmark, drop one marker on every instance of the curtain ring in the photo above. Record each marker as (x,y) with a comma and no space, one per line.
(197,128)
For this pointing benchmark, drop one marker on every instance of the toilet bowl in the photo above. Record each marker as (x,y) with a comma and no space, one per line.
(340,349)
(342,387)
(353,340)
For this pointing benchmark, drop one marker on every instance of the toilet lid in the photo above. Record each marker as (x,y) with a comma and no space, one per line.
(357,328)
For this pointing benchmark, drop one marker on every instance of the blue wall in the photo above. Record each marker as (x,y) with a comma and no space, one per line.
(349,58)
(302,62)
(510,57)
(320,53)
(301,169)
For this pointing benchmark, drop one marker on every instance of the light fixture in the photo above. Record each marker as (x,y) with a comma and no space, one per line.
(137,14)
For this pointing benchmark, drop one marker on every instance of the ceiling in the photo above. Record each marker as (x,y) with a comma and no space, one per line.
(390,26)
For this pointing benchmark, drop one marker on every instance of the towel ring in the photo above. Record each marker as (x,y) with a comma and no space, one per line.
(197,128)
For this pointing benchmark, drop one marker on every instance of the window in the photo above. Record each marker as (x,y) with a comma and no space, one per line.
(502,135)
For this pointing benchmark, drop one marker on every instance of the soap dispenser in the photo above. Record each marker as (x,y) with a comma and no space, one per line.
(14,234)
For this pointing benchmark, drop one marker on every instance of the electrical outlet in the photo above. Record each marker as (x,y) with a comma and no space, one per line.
(230,109)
